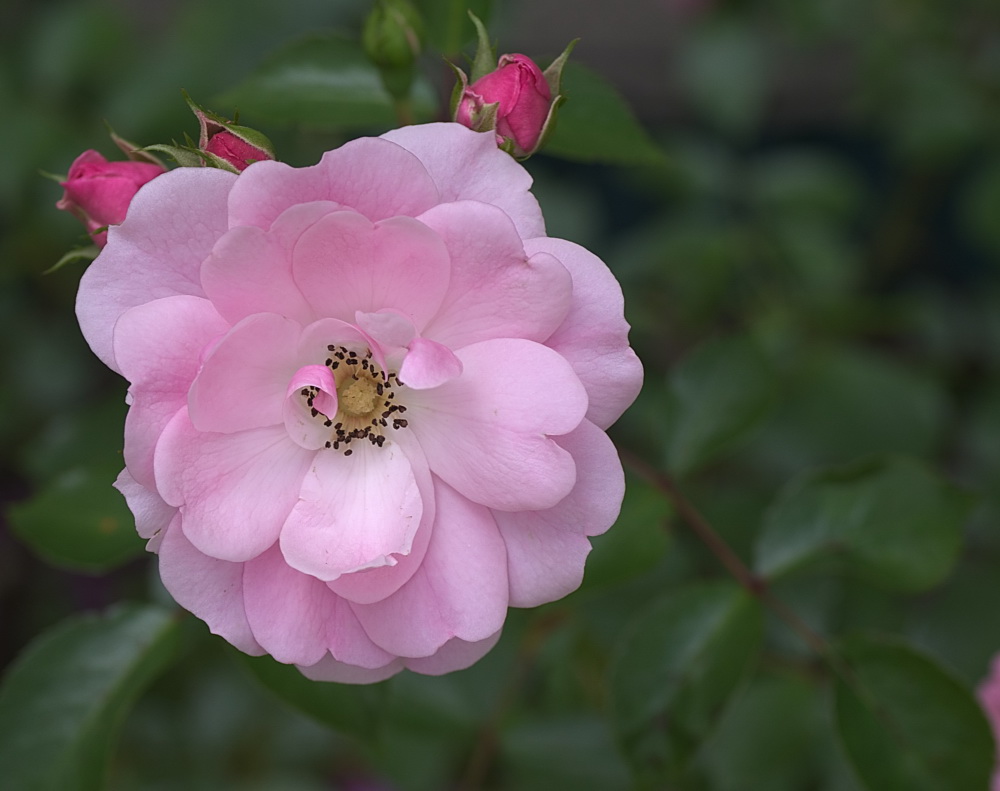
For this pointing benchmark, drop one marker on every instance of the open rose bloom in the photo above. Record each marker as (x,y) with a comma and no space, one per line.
(367,398)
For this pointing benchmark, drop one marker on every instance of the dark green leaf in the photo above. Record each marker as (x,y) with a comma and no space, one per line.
(893,519)
(62,701)
(596,125)
(351,709)
(675,670)
(78,521)
(588,759)
(321,82)
(718,393)
(907,725)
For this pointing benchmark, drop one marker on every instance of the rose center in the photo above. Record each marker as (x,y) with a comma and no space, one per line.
(366,400)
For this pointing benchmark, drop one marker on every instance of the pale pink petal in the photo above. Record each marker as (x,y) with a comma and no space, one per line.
(428,364)
(310,402)
(250,270)
(289,612)
(375,584)
(546,550)
(329,669)
(388,327)
(460,590)
(594,336)
(487,433)
(172,224)
(369,175)
(496,291)
(467,165)
(349,643)
(355,512)
(345,264)
(152,515)
(235,490)
(243,382)
(159,347)
(454,655)
(212,589)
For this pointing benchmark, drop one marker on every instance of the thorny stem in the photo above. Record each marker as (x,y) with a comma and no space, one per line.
(754,585)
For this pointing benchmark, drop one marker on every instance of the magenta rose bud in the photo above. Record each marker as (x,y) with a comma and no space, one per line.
(523,97)
(98,192)
(235,150)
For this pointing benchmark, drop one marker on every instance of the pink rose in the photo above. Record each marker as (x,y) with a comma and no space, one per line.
(989,698)
(98,192)
(524,100)
(234,150)
(368,398)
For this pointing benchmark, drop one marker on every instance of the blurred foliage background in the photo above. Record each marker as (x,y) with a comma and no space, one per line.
(804,213)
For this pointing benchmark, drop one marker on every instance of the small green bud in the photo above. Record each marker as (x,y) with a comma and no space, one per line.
(393,34)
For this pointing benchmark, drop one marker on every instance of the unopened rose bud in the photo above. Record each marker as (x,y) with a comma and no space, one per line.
(98,192)
(224,144)
(234,149)
(515,99)
(523,99)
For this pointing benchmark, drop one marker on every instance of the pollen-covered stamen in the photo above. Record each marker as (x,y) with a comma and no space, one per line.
(366,400)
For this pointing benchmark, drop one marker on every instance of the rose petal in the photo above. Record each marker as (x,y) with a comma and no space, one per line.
(546,550)
(485,433)
(329,669)
(244,381)
(467,165)
(235,490)
(375,584)
(371,176)
(304,418)
(152,515)
(250,269)
(454,655)
(594,336)
(288,611)
(345,264)
(495,291)
(355,512)
(143,261)
(428,364)
(212,589)
(460,590)
(159,346)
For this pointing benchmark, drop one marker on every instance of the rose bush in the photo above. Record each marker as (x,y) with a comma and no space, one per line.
(367,398)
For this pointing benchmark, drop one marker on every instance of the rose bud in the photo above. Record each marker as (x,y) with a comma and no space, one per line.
(234,149)
(226,145)
(515,99)
(98,192)
(523,100)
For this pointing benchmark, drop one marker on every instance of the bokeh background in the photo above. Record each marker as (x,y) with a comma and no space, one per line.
(809,245)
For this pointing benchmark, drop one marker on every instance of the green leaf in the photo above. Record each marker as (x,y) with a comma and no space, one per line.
(718,393)
(892,519)
(79,521)
(596,124)
(588,759)
(907,725)
(675,670)
(322,82)
(62,701)
(447,22)
(348,708)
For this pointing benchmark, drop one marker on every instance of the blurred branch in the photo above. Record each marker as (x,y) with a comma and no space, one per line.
(754,585)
